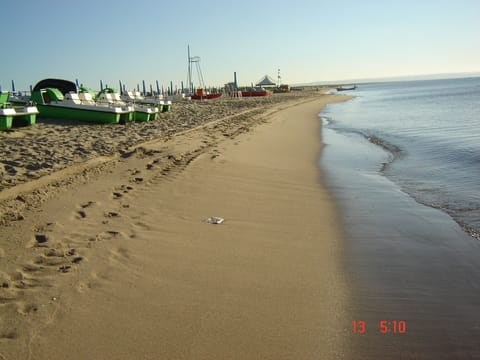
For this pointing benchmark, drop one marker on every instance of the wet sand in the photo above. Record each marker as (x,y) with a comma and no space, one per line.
(117,260)
(404,261)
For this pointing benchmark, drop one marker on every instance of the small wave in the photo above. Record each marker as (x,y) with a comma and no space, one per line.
(470,231)
(326,120)
(384,144)
(456,213)
(390,148)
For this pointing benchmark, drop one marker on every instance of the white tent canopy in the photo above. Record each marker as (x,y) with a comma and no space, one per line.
(266,81)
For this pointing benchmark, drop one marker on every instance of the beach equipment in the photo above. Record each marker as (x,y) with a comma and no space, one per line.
(19,98)
(199,93)
(60,99)
(155,101)
(141,112)
(254,92)
(15,115)
(83,90)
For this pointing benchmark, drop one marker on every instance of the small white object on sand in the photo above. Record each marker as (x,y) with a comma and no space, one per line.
(215,220)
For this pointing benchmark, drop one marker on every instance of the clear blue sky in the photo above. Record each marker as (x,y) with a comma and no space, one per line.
(308,40)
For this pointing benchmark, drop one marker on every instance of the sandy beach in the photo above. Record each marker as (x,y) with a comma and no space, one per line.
(108,254)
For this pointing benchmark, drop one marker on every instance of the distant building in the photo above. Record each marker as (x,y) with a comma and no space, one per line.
(266,81)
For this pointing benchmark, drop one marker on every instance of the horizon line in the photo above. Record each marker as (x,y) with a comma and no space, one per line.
(435,76)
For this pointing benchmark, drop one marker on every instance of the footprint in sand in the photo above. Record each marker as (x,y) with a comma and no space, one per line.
(49,260)
(87,204)
(44,227)
(77,259)
(107,235)
(39,240)
(112,214)
(8,335)
(151,164)
(31,267)
(55,253)
(81,214)
(117,195)
(120,190)
(28,283)
(5,282)
(56,257)
(137,180)
(71,252)
(64,268)
(143,226)
(26,308)
(166,170)
(17,275)
(134,171)
(19,280)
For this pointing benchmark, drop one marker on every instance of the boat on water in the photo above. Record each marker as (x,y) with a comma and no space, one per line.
(10,115)
(345,88)
(254,92)
(60,99)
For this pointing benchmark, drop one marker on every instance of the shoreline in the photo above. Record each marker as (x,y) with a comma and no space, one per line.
(106,270)
(404,261)
(394,155)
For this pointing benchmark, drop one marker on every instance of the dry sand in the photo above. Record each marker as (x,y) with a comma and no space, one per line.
(113,259)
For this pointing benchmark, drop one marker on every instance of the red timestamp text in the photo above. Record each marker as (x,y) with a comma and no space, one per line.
(383,326)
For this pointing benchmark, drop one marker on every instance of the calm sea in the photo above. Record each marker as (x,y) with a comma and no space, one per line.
(402,161)
(431,132)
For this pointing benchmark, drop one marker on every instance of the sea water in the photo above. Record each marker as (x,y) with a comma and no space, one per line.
(431,131)
(402,161)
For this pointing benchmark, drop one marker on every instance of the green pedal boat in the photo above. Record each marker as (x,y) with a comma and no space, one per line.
(60,99)
(15,115)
